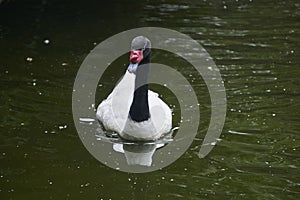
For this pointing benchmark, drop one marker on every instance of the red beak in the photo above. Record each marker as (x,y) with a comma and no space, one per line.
(136,56)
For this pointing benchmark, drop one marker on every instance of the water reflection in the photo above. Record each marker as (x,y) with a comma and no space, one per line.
(136,153)
(139,154)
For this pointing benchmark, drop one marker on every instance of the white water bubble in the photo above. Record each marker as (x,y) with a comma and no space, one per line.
(62,127)
(29,59)
(46,41)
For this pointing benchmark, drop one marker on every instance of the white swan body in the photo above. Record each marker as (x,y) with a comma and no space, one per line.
(113,113)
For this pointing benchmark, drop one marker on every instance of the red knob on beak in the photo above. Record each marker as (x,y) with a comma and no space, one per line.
(136,56)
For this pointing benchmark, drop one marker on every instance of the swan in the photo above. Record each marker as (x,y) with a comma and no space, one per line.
(131,110)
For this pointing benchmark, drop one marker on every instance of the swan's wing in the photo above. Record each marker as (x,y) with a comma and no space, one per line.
(161,114)
(113,111)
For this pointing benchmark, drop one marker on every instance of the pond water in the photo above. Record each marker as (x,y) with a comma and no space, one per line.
(255,44)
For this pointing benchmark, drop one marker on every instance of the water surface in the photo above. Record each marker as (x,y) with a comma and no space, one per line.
(255,44)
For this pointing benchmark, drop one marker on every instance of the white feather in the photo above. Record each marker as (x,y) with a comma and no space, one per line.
(113,112)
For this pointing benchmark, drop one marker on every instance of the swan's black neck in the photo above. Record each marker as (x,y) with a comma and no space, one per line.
(139,110)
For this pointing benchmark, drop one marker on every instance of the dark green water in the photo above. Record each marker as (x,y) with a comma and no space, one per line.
(255,44)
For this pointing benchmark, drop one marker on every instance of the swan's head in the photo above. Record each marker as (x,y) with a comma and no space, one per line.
(140,52)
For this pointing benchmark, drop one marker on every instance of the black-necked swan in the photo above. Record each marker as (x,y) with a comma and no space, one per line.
(131,110)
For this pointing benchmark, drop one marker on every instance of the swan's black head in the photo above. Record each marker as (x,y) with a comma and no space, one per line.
(140,53)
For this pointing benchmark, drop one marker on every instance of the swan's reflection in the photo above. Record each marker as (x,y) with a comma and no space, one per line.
(137,154)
